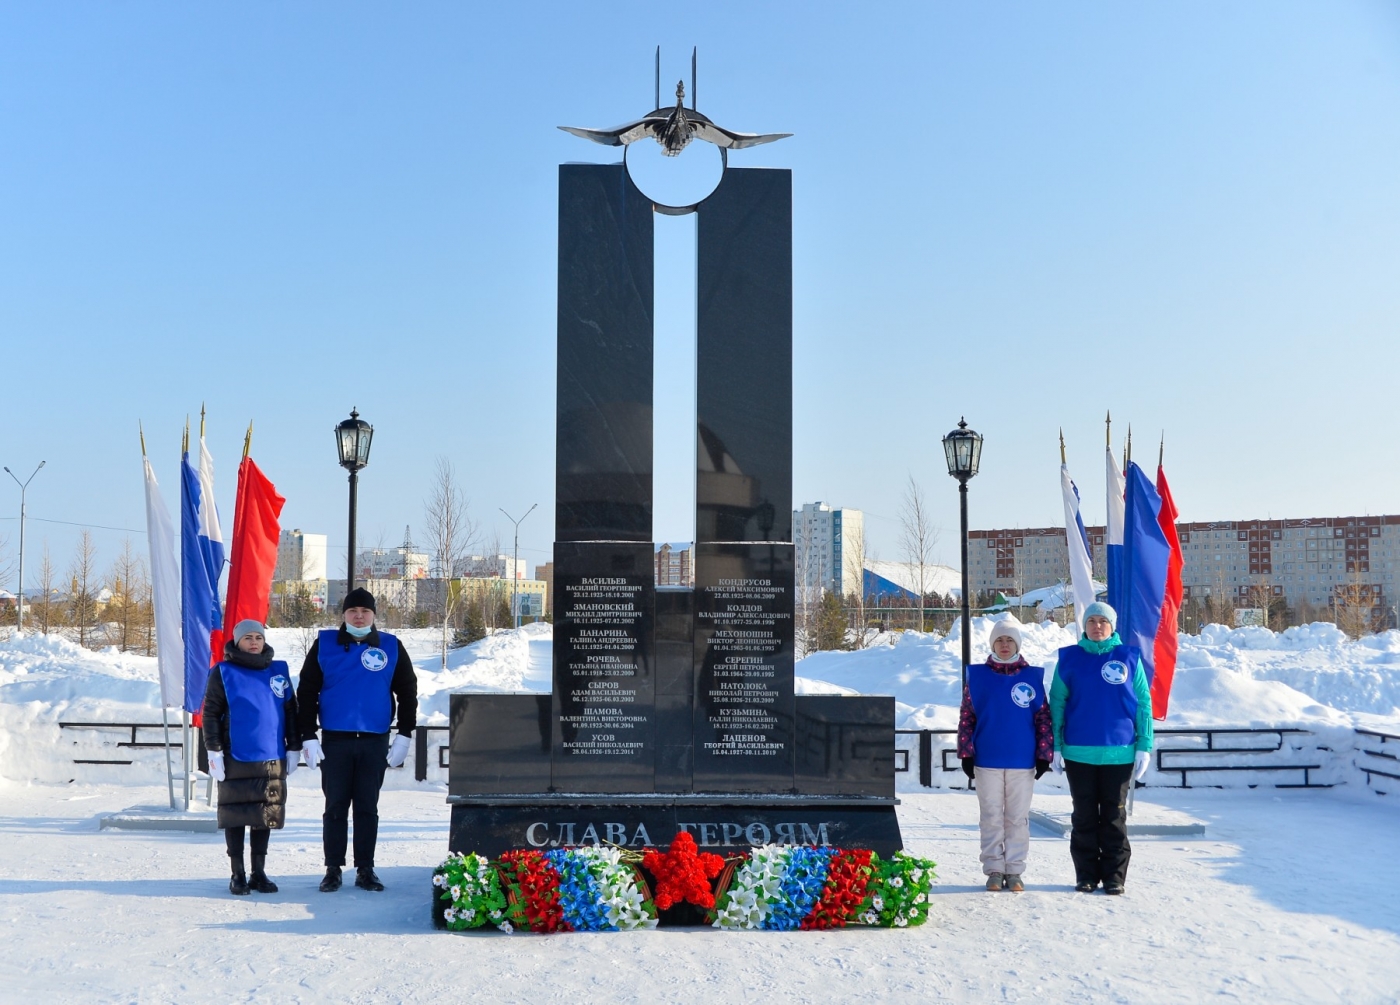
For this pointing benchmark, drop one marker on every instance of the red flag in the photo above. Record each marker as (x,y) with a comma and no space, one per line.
(1164,646)
(253,556)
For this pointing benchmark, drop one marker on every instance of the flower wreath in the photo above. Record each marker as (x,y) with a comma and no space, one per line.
(783,888)
(472,888)
(597,889)
(575,890)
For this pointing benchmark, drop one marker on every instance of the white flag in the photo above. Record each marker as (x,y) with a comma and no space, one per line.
(165,592)
(1081,568)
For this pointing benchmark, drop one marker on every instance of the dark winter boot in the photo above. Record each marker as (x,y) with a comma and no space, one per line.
(332,881)
(365,879)
(238,885)
(259,881)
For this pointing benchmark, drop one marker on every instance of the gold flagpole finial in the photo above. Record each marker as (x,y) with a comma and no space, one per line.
(1161,448)
(1128,448)
(248,440)
(1062,446)
(141,429)
(185,443)
(1108,429)
(201,420)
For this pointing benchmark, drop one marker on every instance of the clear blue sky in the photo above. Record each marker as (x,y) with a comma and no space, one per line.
(1025,213)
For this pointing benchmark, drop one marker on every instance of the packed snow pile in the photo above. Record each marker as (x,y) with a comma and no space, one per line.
(1312,676)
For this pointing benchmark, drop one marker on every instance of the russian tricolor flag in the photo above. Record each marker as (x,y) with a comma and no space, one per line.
(201,565)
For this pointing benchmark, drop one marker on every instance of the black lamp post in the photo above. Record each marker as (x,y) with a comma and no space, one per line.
(352,439)
(963,448)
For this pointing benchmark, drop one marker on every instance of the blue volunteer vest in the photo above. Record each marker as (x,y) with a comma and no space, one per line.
(355,696)
(1005,706)
(257,713)
(1101,710)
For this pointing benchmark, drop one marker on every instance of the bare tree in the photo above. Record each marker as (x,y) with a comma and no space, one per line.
(46,585)
(854,549)
(450,534)
(917,537)
(123,582)
(82,596)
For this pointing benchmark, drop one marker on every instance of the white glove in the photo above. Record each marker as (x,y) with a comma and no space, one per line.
(1058,763)
(216,765)
(293,758)
(311,750)
(1141,760)
(398,751)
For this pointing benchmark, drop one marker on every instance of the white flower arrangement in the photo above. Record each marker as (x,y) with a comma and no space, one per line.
(754,889)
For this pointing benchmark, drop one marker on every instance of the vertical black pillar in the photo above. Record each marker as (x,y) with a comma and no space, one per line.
(744,702)
(604,575)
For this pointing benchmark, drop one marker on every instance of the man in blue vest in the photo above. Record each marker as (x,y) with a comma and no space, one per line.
(352,679)
(1102,714)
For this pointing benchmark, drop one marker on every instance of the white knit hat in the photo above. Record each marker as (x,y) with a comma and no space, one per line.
(1006,626)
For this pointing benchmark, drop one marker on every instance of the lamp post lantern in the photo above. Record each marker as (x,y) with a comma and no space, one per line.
(515,566)
(352,440)
(963,450)
(19,590)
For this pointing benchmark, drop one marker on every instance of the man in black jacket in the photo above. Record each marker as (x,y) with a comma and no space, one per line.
(351,682)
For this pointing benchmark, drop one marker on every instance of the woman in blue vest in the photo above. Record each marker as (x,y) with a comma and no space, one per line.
(351,682)
(250,730)
(1005,743)
(1102,712)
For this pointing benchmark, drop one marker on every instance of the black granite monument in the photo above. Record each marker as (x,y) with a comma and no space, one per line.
(673,709)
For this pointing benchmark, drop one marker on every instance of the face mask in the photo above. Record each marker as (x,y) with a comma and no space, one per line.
(359,633)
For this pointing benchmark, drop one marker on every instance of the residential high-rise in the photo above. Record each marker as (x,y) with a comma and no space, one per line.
(829,548)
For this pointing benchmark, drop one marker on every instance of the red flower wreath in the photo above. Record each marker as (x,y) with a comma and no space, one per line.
(846,880)
(528,872)
(683,874)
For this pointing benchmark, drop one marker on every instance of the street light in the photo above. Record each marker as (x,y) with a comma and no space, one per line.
(515,565)
(352,439)
(963,449)
(23,486)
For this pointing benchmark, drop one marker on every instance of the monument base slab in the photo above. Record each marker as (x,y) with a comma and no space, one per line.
(719,823)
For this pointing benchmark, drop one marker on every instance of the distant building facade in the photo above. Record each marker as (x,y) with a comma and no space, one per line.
(545,574)
(392,563)
(300,556)
(675,565)
(1312,560)
(829,547)
(489,567)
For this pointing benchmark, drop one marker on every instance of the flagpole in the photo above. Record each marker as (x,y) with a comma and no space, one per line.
(164,709)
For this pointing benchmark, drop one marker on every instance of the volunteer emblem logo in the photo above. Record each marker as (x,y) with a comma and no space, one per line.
(1115,672)
(374,658)
(1023,694)
(279,686)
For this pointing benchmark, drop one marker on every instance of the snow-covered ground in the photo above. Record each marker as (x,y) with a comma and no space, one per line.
(1287,899)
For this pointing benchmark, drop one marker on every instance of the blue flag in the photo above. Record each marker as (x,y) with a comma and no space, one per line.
(1144,569)
(201,565)
(1113,532)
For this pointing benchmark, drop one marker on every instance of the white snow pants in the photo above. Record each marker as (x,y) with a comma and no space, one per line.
(1004,797)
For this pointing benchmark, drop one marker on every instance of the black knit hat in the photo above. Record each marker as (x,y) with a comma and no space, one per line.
(358,597)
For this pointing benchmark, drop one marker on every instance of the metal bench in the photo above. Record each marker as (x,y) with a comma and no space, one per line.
(1388,756)
(134,742)
(1218,751)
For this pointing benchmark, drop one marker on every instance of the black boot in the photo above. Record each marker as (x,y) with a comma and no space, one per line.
(332,881)
(259,881)
(365,879)
(238,885)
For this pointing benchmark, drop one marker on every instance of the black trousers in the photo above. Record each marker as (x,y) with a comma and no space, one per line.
(233,838)
(1098,835)
(351,775)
